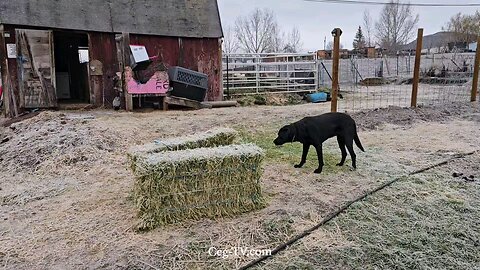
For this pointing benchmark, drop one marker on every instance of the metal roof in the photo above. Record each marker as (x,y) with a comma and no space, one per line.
(186,18)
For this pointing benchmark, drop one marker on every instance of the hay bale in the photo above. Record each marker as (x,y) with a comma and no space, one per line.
(206,182)
(210,138)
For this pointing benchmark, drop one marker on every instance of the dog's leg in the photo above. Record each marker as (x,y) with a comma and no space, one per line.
(341,144)
(320,158)
(304,155)
(349,144)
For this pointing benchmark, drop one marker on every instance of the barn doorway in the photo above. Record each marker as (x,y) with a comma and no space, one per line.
(71,67)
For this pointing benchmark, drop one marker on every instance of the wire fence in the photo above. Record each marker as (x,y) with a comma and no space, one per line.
(387,81)
(365,83)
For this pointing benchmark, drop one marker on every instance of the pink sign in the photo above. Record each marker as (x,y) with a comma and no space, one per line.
(157,84)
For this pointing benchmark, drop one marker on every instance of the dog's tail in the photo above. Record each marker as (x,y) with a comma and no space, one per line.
(357,142)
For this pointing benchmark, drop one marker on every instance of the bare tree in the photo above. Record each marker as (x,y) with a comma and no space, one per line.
(466,27)
(396,25)
(294,41)
(277,40)
(230,42)
(256,32)
(368,26)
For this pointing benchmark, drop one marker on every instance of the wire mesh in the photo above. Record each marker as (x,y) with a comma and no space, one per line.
(370,83)
(445,78)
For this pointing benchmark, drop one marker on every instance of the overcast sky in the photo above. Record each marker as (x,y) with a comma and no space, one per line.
(316,20)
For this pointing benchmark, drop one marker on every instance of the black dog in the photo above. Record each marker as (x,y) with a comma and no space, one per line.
(317,129)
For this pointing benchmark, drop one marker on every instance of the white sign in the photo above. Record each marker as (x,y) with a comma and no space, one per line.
(139,53)
(12,50)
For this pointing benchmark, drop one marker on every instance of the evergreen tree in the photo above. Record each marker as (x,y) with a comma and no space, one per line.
(359,41)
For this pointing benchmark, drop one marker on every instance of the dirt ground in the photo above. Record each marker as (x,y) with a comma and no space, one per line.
(65,189)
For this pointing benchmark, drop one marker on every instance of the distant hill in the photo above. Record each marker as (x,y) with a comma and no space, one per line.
(437,40)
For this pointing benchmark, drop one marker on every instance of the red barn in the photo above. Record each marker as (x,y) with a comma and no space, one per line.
(68,51)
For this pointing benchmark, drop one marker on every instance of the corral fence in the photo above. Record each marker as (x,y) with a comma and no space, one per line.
(364,83)
(245,74)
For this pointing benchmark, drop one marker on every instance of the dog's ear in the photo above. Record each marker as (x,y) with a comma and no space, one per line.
(291,131)
(284,132)
(301,129)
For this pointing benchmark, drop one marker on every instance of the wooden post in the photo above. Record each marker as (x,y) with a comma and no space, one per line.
(476,69)
(336,59)
(126,62)
(416,70)
(3,69)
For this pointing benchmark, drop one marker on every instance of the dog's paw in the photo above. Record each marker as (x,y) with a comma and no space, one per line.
(340,164)
(298,166)
(318,171)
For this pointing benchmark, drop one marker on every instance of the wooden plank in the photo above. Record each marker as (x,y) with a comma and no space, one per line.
(220,104)
(476,70)
(165,104)
(416,71)
(4,66)
(171,100)
(10,100)
(38,76)
(20,67)
(126,62)
(20,118)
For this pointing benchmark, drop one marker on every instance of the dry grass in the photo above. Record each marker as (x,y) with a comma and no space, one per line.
(425,222)
(81,214)
(209,138)
(174,186)
(51,141)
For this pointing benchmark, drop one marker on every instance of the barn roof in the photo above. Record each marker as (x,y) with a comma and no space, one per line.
(188,18)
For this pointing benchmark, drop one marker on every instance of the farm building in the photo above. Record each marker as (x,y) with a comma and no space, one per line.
(69,52)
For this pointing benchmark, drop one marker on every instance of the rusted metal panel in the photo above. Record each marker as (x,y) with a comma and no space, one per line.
(203,56)
(102,47)
(193,53)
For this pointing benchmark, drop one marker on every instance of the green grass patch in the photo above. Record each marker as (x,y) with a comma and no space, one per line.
(291,153)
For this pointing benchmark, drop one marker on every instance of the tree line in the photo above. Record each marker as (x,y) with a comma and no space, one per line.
(397,23)
(259,32)
(395,26)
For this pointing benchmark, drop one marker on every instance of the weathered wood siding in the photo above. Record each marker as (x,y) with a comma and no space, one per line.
(102,47)
(201,55)
(10,64)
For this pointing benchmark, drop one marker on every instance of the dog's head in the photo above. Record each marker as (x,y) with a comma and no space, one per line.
(285,135)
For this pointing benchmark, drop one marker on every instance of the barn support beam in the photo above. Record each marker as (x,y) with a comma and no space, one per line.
(3,73)
(10,109)
(125,43)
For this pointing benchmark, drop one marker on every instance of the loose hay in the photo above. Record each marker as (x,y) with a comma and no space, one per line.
(191,184)
(211,138)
